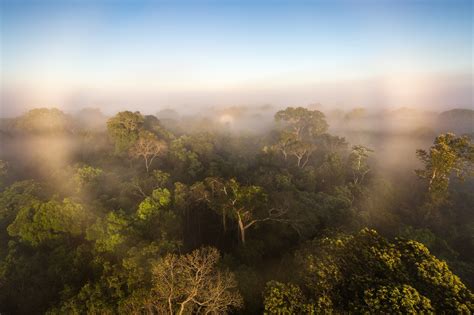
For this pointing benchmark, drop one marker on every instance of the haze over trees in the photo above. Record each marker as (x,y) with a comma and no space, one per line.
(307,213)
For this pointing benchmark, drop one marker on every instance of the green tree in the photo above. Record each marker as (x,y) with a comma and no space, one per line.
(449,154)
(366,273)
(86,177)
(43,221)
(44,120)
(358,163)
(244,204)
(110,232)
(302,123)
(124,129)
(300,128)
(282,298)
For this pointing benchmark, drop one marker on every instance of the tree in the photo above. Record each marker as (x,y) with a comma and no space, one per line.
(44,120)
(192,283)
(364,273)
(285,298)
(449,154)
(301,122)
(3,171)
(157,220)
(124,129)
(355,114)
(358,163)
(110,232)
(242,203)
(43,221)
(300,127)
(147,147)
(86,176)
(185,161)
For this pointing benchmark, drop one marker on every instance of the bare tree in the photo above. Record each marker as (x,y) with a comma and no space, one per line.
(191,283)
(148,147)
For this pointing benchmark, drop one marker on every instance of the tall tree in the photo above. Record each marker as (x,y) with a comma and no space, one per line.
(148,147)
(449,154)
(302,123)
(124,129)
(246,205)
(300,128)
(358,163)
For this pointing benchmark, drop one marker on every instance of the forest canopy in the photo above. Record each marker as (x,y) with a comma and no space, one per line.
(139,214)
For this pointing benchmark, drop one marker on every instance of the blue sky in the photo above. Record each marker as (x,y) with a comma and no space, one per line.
(156,52)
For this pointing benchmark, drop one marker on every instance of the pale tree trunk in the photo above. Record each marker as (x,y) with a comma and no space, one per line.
(170,306)
(146,163)
(241,230)
(306,161)
(299,160)
(183,305)
(433,176)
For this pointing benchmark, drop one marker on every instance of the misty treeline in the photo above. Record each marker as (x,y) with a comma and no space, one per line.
(134,214)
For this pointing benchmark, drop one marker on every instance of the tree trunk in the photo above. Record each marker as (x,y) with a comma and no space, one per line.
(433,176)
(170,306)
(241,230)
(224,220)
(146,164)
(299,160)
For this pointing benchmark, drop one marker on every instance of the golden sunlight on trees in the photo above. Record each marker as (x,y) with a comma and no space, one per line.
(365,273)
(193,284)
(187,217)
(449,154)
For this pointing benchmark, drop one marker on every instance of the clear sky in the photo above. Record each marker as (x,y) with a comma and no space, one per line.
(152,54)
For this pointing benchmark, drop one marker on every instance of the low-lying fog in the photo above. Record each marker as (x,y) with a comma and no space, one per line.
(394,135)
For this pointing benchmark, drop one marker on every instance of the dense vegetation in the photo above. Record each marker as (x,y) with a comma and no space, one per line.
(138,215)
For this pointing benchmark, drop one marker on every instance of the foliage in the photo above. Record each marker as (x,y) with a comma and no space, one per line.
(124,129)
(44,120)
(40,221)
(301,127)
(366,273)
(449,154)
(86,229)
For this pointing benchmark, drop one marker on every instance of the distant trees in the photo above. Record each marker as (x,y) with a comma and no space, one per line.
(3,171)
(301,122)
(192,284)
(355,114)
(44,120)
(99,233)
(366,273)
